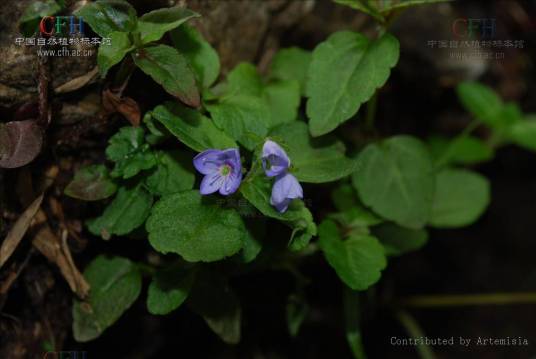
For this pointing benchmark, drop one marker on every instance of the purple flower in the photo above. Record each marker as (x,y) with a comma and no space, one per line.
(274,159)
(222,170)
(285,189)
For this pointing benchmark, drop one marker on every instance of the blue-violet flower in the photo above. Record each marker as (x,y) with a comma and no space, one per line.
(286,187)
(222,170)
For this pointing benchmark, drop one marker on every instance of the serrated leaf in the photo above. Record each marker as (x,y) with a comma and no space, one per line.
(202,56)
(112,54)
(108,16)
(214,300)
(34,13)
(399,240)
(313,160)
(291,64)
(115,284)
(153,25)
(129,152)
(195,227)
(358,260)
(91,183)
(257,190)
(244,79)
(244,118)
(395,178)
(461,197)
(169,289)
(191,127)
(173,173)
(128,211)
(481,101)
(345,72)
(170,69)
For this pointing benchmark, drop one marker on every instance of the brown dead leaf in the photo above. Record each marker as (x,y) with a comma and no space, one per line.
(126,106)
(20,143)
(57,251)
(77,82)
(16,233)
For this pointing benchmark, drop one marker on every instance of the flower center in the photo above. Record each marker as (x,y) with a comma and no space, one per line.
(225,170)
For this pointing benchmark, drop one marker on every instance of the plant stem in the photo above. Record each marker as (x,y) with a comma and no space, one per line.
(415,331)
(372,106)
(448,151)
(437,301)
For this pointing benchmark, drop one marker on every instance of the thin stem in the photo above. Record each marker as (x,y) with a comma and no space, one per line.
(414,330)
(437,301)
(448,151)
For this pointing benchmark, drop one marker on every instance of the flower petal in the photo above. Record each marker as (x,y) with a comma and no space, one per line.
(211,183)
(274,159)
(283,206)
(286,186)
(231,183)
(209,161)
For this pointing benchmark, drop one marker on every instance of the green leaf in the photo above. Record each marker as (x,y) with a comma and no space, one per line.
(461,197)
(115,284)
(297,310)
(128,211)
(33,13)
(129,152)
(313,160)
(169,289)
(523,133)
(170,69)
(257,190)
(283,98)
(244,118)
(291,64)
(191,127)
(196,227)
(244,80)
(174,173)
(461,150)
(112,54)
(395,178)
(108,16)
(202,56)
(91,183)
(345,72)
(358,260)
(214,300)
(399,240)
(153,25)
(481,101)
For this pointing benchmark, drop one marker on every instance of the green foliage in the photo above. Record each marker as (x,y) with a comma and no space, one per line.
(169,289)
(464,150)
(398,240)
(109,56)
(461,196)
(201,55)
(195,227)
(335,93)
(297,310)
(291,64)
(173,173)
(191,127)
(115,284)
(130,153)
(358,259)
(395,178)
(126,212)
(34,12)
(109,16)
(168,67)
(91,183)
(314,161)
(153,25)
